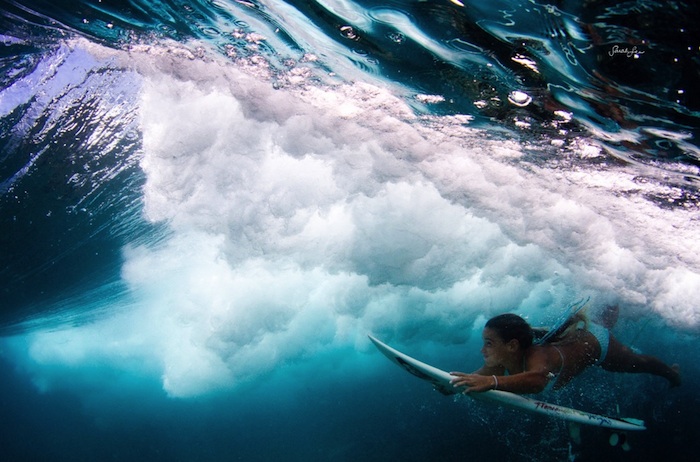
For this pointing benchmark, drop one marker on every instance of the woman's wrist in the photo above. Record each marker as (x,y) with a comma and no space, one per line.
(495,383)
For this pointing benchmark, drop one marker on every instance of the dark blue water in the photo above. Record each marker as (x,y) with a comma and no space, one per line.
(205,206)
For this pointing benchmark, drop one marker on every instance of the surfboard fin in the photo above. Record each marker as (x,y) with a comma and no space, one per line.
(575,432)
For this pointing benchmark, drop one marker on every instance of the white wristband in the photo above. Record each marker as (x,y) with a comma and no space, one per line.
(495,382)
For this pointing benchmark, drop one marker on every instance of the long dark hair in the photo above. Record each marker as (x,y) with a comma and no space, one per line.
(511,326)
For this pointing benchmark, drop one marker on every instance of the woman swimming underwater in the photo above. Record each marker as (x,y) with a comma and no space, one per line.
(509,348)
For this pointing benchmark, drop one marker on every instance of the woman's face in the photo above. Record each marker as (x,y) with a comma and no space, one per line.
(495,351)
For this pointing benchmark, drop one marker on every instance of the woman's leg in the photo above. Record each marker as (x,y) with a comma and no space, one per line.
(621,358)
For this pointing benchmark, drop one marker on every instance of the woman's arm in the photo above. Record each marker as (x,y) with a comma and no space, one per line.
(533,379)
(522,383)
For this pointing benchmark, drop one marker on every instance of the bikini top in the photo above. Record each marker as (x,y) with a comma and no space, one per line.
(551,375)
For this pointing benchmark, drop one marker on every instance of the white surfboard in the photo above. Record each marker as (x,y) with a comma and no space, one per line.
(441,381)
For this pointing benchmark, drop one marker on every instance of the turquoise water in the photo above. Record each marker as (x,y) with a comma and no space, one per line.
(207,206)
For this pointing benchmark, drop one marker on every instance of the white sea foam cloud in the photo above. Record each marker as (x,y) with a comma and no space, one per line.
(306,230)
(301,220)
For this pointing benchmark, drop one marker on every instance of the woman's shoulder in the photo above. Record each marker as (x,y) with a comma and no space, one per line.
(539,351)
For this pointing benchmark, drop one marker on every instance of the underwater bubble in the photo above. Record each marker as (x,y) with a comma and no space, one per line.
(526,62)
(211,31)
(519,98)
(349,33)
(397,37)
